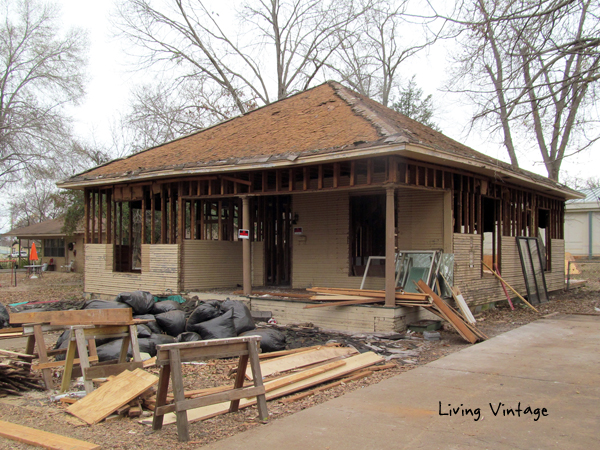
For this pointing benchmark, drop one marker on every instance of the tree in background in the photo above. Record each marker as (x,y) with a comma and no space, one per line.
(532,70)
(41,71)
(412,104)
(284,43)
(370,54)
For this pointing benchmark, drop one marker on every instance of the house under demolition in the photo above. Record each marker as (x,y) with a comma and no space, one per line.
(318,182)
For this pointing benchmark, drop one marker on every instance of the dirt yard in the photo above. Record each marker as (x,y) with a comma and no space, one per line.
(34,408)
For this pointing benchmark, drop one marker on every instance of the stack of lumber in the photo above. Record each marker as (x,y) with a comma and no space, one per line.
(291,372)
(348,297)
(15,374)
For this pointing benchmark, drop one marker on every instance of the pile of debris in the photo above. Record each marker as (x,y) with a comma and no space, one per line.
(16,375)
(296,373)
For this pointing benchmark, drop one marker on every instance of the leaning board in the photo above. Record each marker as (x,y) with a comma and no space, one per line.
(41,438)
(112,395)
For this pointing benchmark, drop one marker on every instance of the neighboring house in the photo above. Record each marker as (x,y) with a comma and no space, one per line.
(321,181)
(52,244)
(582,225)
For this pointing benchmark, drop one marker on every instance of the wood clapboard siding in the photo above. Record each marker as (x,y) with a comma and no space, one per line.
(555,280)
(481,289)
(211,264)
(420,220)
(160,267)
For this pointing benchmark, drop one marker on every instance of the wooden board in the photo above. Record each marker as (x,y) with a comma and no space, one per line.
(462,305)
(77,317)
(353,363)
(453,318)
(41,438)
(298,360)
(364,301)
(112,395)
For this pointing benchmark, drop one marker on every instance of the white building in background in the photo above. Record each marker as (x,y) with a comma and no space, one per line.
(582,225)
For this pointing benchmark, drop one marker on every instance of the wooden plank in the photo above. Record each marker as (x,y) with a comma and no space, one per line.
(353,364)
(453,318)
(112,395)
(462,305)
(364,301)
(52,364)
(43,439)
(78,317)
(295,361)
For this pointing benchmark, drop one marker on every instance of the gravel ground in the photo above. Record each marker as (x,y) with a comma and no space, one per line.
(35,410)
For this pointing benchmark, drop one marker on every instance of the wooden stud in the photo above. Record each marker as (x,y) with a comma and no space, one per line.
(100,195)
(291,180)
(264,181)
(336,174)
(320,179)
(305,178)
(370,170)
(163,215)
(93,216)
(86,213)
(352,173)
(277,180)
(109,208)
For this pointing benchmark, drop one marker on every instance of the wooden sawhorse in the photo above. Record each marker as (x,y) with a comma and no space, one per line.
(35,338)
(82,333)
(170,356)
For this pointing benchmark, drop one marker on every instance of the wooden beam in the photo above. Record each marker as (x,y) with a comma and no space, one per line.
(390,248)
(246,248)
(109,208)
(75,317)
(100,216)
(43,439)
(86,214)
(93,235)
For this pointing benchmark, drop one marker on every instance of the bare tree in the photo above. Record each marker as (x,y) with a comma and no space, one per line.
(40,72)
(165,111)
(532,69)
(370,54)
(286,41)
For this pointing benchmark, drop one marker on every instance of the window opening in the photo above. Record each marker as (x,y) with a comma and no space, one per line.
(367,232)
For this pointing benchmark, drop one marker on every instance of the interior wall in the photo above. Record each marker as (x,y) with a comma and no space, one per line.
(420,221)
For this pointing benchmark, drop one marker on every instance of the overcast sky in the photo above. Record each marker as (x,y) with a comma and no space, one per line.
(110,81)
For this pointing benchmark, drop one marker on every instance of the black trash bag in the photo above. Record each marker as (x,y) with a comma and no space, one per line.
(172,322)
(271,340)
(152,325)
(103,304)
(63,342)
(188,336)
(64,337)
(164,306)
(242,318)
(111,350)
(217,328)
(160,339)
(143,331)
(4,317)
(204,312)
(147,345)
(140,301)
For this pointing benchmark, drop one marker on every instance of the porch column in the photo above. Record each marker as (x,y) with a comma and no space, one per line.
(246,259)
(390,248)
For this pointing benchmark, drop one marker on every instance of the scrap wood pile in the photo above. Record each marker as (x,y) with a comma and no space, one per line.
(304,370)
(15,374)
(463,321)
(288,372)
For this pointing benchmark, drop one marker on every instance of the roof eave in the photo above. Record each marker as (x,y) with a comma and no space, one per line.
(414,151)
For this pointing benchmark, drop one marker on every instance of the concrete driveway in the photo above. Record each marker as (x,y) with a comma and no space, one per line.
(549,368)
